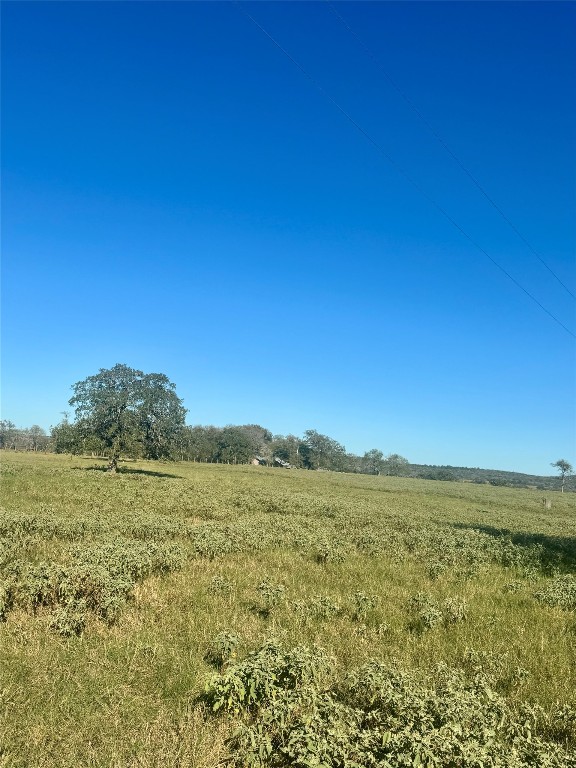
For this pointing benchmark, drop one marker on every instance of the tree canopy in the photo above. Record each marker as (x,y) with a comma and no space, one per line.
(394,464)
(322,452)
(128,411)
(373,462)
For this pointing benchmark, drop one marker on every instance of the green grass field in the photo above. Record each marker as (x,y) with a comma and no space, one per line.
(203,615)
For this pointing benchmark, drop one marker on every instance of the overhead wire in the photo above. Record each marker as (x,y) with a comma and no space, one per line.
(399,169)
(446,147)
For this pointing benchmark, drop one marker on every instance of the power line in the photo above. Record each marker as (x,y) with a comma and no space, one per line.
(400,170)
(441,141)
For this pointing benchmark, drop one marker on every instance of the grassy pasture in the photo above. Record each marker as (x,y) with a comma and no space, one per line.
(130,601)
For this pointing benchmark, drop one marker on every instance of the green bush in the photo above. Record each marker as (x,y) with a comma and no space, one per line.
(70,619)
(289,712)
(271,595)
(223,648)
(560,592)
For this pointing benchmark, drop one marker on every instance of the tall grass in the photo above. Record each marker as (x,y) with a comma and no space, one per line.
(407,572)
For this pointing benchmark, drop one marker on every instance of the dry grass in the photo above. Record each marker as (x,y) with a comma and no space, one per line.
(130,694)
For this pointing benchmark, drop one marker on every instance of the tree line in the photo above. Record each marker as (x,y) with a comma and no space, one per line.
(123,412)
(32,438)
(238,444)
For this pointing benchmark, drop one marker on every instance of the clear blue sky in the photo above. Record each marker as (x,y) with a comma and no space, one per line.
(179,197)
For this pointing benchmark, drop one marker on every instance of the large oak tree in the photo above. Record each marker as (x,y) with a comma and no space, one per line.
(129,412)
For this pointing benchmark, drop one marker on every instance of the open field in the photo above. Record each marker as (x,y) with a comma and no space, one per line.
(183,614)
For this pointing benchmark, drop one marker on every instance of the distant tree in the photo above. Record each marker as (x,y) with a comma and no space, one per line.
(354,463)
(37,438)
(442,473)
(235,446)
(129,412)
(231,444)
(373,462)
(565,469)
(394,464)
(260,439)
(7,434)
(66,437)
(32,438)
(322,452)
(200,443)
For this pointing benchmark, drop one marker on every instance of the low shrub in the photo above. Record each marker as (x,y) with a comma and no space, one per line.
(271,595)
(223,648)
(289,712)
(560,592)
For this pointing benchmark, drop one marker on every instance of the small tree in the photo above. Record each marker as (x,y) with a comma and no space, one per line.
(235,446)
(394,464)
(65,436)
(322,452)
(128,411)
(37,438)
(7,434)
(564,468)
(373,462)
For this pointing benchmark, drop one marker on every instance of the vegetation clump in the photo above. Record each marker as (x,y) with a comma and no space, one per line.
(97,580)
(223,648)
(560,592)
(291,710)
(319,607)
(271,595)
